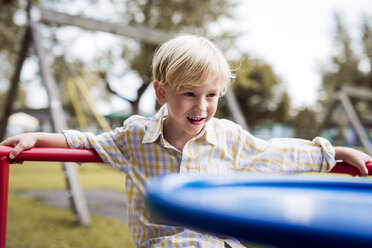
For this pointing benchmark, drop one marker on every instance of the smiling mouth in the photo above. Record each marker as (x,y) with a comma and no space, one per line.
(195,120)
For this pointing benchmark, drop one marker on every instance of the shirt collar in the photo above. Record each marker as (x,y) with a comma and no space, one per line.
(154,128)
(210,133)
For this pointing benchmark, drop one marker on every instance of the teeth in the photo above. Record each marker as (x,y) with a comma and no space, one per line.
(195,119)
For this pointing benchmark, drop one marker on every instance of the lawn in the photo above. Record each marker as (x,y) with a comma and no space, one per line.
(34,224)
(49,175)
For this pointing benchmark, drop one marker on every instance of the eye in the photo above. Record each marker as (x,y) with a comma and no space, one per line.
(212,95)
(189,94)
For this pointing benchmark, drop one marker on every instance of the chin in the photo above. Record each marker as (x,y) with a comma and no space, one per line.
(195,132)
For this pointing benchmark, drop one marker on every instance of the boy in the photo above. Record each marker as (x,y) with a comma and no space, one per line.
(190,74)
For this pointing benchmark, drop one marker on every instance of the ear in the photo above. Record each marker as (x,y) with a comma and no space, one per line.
(160,92)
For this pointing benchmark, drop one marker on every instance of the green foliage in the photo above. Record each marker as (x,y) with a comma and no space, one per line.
(174,16)
(282,112)
(305,123)
(186,15)
(344,69)
(367,47)
(10,32)
(190,16)
(259,92)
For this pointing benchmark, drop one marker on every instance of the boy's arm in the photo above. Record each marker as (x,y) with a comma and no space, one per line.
(25,141)
(353,157)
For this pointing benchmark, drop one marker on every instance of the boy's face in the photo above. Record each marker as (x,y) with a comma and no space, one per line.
(189,108)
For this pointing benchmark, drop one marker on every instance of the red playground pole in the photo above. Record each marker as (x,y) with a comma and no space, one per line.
(345,168)
(4,180)
(35,154)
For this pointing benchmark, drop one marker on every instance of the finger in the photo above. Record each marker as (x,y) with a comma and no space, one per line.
(16,150)
(363,169)
(7,142)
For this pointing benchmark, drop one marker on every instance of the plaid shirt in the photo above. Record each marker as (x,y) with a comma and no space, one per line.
(139,148)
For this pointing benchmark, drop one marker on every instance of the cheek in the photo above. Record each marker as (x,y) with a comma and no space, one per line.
(212,107)
(179,107)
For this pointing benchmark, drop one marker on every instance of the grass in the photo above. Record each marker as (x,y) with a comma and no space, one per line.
(48,175)
(34,224)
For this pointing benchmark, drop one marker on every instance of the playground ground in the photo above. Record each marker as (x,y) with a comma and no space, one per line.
(39,214)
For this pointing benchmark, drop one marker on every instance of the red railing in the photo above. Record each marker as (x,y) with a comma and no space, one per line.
(345,168)
(35,154)
(79,156)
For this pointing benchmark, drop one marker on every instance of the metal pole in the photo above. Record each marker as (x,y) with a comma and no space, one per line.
(35,154)
(4,183)
(53,154)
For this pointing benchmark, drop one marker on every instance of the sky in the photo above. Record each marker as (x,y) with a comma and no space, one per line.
(295,37)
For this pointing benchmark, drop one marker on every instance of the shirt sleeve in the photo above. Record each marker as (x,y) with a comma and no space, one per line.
(284,154)
(110,146)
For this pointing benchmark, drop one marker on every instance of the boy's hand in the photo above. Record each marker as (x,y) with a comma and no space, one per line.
(353,157)
(20,142)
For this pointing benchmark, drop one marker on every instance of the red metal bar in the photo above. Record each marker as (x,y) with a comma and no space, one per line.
(34,154)
(345,168)
(4,180)
(53,154)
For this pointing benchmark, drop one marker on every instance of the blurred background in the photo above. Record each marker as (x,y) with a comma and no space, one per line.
(291,60)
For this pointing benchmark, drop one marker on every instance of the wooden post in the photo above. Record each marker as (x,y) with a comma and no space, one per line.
(234,108)
(77,198)
(14,82)
(327,114)
(84,92)
(147,35)
(342,96)
(354,119)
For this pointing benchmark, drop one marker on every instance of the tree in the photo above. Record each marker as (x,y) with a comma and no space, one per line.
(260,93)
(190,16)
(10,33)
(367,47)
(174,16)
(344,69)
(305,123)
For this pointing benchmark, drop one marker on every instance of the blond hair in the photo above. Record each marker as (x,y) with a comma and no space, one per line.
(190,60)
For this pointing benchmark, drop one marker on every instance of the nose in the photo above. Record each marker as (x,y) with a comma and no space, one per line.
(201,104)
